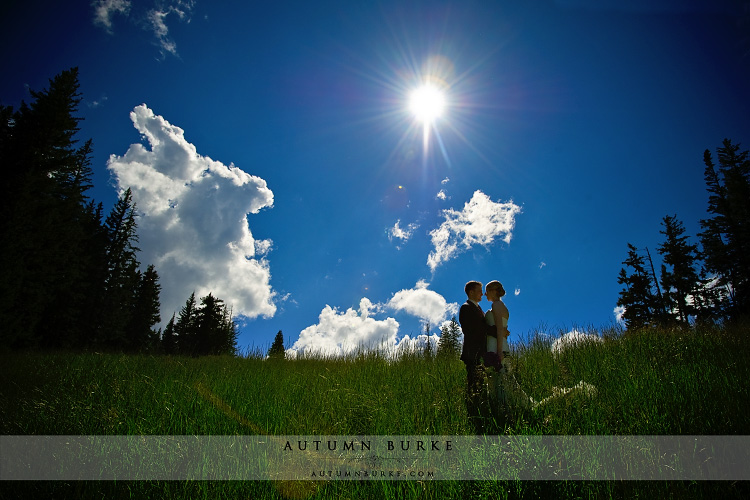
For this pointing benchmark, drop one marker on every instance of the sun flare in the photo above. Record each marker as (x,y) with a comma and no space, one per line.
(427,103)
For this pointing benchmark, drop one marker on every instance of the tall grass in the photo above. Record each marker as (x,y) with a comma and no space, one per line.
(650,382)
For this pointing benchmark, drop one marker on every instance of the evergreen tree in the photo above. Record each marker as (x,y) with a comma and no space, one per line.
(122,276)
(679,277)
(43,241)
(168,339)
(277,350)
(210,320)
(726,234)
(449,346)
(145,312)
(186,326)
(637,298)
(428,345)
(228,334)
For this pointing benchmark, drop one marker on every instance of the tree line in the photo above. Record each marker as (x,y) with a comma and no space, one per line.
(69,276)
(706,283)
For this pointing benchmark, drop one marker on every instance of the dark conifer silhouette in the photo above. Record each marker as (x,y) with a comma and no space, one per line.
(638,297)
(679,277)
(726,234)
(428,351)
(168,339)
(277,350)
(44,245)
(449,345)
(205,329)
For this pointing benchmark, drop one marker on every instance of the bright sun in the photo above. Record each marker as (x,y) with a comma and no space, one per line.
(427,103)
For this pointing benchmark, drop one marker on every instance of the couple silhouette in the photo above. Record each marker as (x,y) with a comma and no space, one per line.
(490,385)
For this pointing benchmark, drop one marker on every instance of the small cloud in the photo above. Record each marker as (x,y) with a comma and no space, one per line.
(542,265)
(105,9)
(441,195)
(619,313)
(99,102)
(572,339)
(403,234)
(445,181)
(425,304)
(517,292)
(479,223)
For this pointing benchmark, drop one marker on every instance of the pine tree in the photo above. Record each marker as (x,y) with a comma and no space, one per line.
(186,326)
(428,355)
(43,244)
(145,312)
(168,339)
(679,277)
(449,346)
(122,276)
(210,319)
(641,306)
(726,234)
(277,350)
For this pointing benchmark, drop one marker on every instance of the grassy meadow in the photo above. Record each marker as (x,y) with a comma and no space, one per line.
(648,383)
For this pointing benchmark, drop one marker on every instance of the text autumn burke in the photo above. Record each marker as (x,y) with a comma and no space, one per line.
(333,445)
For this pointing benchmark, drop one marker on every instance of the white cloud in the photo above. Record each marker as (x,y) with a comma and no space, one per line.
(445,181)
(341,333)
(105,9)
(441,195)
(619,313)
(156,22)
(192,220)
(572,339)
(479,223)
(542,264)
(400,233)
(425,304)
(517,292)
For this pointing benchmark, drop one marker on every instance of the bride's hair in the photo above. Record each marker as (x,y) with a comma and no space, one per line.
(494,285)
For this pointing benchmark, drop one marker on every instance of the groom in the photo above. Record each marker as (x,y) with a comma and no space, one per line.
(475,328)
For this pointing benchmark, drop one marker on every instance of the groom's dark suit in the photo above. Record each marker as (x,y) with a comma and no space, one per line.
(475,330)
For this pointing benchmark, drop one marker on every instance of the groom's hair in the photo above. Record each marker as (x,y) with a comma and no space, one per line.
(471,285)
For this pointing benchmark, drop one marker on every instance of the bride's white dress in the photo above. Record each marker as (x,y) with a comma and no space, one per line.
(492,341)
(507,389)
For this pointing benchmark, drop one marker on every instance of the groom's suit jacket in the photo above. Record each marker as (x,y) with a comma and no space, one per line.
(475,329)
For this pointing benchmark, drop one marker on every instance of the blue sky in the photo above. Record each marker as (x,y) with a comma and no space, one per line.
(275,162)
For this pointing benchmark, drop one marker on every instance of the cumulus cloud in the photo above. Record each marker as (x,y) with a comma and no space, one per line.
(338,333)
(479,223)
(441,195)
(192,222)
(573,338)
(105,9)
(425,304)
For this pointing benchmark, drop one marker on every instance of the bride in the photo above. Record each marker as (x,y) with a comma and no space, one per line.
(497,317)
